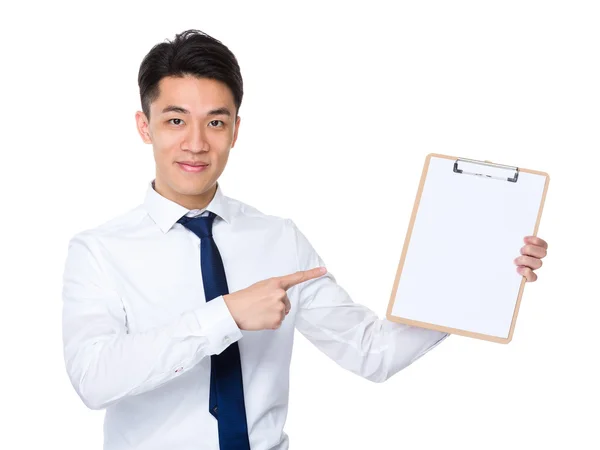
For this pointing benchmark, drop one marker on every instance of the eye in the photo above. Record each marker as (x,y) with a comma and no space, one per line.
(176,123)
(213,121)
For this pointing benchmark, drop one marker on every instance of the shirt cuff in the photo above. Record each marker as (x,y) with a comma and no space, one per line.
(434,345)
(218,325)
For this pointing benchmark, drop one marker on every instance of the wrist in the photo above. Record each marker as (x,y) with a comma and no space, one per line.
(227,301)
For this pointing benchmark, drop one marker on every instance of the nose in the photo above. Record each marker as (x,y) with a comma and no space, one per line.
(195,139)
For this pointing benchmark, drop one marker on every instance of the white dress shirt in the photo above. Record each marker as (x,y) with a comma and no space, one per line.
(138,332)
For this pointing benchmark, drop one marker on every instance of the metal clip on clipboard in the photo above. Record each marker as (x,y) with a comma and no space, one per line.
(497,171)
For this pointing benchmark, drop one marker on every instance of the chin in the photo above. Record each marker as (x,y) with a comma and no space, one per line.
(197,187)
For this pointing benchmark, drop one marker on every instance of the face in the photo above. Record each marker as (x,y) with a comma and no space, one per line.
(192,121)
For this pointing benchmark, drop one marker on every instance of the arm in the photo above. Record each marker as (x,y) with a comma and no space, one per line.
(349,333)
(104,361)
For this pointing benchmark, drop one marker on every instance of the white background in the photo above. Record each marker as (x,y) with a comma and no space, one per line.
(342,103)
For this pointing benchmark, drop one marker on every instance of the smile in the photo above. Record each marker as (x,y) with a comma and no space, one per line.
(193,169)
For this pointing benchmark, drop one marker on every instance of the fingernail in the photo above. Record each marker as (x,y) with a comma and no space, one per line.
(323,270)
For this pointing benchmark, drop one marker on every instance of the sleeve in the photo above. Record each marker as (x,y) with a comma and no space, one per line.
(349,333)
(104,361)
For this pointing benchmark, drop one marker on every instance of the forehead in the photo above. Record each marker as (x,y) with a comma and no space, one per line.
(195,94)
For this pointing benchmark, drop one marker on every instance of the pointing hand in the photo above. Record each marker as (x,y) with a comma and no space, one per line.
(265,304)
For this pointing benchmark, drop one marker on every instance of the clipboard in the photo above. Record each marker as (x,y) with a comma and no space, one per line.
(457,272)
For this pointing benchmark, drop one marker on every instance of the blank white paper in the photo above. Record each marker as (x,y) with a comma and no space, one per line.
(459,270)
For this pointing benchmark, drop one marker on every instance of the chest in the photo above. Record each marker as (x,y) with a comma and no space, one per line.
(160,277)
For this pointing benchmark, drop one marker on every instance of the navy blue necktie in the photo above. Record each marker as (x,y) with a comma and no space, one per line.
(226,401)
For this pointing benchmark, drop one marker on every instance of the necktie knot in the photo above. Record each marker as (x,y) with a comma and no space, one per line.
(200,226)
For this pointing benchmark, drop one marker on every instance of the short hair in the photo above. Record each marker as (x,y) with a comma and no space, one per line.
(192,52)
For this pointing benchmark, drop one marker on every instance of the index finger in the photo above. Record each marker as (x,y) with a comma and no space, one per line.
(536,241)
(287,281)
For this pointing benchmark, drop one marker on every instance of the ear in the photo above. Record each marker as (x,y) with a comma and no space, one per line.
(142,127)
(235,133)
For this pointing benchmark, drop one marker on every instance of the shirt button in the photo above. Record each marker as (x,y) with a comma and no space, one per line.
(226,340)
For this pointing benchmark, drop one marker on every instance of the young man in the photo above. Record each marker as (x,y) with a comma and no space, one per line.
(179,315)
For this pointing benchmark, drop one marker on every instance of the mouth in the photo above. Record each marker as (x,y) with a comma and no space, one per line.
(193,168)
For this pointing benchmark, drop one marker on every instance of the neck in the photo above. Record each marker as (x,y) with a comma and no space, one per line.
(199,201)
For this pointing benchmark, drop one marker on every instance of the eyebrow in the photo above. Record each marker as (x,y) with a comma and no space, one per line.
(213,112)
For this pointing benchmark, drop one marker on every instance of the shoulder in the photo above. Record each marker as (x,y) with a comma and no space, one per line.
(247,214)
(275,228)
(122,225)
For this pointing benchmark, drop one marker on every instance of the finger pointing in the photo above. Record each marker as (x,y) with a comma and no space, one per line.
(288,281)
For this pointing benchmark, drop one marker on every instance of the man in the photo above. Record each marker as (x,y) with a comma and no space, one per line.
(179,315)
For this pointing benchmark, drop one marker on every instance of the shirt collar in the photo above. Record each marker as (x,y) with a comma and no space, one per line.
(166,213)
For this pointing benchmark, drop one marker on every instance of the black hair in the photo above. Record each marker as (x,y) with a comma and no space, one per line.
(192,52)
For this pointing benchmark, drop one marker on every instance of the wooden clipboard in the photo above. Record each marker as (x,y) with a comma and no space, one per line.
(458,201)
